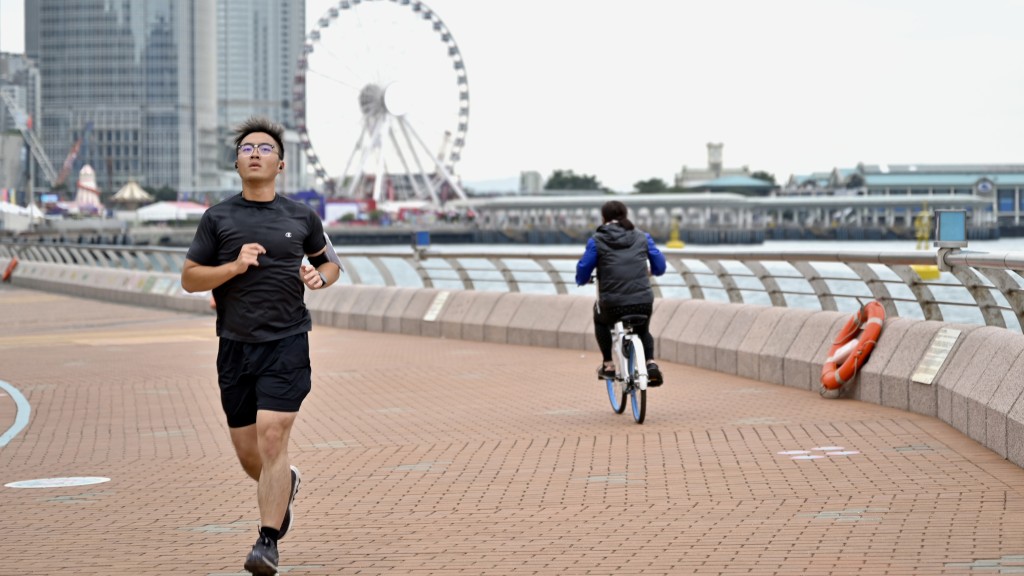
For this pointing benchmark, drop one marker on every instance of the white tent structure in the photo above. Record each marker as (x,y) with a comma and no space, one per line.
(170,212)
(132,195)
(14,218)
(32,210)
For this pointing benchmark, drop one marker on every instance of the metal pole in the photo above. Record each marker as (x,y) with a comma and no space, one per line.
(31,189)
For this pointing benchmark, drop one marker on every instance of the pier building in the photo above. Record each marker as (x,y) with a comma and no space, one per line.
(780,217)
(871,202)
(1000,186)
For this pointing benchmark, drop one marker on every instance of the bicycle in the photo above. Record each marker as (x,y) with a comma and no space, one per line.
(630,368)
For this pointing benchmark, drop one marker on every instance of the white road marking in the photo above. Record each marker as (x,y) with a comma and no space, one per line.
(20,419)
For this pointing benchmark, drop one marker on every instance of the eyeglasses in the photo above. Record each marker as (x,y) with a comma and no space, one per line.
(246,149)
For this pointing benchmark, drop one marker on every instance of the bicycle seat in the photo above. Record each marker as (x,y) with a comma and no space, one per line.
(632,320)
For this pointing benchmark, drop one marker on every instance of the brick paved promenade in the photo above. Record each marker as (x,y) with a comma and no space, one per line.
(430,456)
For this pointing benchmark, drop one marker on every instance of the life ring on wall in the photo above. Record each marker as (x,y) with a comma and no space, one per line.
(10,268)
(853,345)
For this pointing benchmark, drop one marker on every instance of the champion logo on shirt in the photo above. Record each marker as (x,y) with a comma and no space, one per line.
(287,234)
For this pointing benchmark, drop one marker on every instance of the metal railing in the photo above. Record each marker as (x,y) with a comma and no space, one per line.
(978,288)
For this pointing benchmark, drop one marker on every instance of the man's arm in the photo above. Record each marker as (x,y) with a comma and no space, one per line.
(320,263)
(198,278)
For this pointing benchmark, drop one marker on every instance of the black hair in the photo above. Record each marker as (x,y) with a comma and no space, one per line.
(615,210)
(256,124)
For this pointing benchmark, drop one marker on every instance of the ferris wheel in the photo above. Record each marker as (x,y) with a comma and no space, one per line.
(381,97)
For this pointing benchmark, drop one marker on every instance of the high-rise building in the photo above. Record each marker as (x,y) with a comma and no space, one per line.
(132,85)
(258,47)
(20,85)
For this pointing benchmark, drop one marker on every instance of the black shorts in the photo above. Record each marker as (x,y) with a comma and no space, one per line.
(262,376)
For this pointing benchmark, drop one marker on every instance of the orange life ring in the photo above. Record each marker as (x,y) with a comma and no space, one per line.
(853,345)
(10,268)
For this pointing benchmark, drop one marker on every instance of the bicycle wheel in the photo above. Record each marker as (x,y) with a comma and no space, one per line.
(637,397)
(616,395)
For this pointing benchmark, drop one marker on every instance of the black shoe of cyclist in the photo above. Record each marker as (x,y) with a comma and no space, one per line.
(654,377)
(604,372)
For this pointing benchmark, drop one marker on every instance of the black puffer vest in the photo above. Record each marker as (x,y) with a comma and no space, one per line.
(622,269)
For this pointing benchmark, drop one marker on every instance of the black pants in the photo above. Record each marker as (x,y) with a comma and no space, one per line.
(605,319)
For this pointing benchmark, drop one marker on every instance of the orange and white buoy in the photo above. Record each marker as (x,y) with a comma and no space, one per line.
(853,345)
(10,268)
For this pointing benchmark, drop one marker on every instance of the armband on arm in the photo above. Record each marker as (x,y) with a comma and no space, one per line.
(328,255)
(316,261)
(331,254)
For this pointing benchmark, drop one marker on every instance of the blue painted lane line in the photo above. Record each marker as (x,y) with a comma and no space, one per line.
(22,416)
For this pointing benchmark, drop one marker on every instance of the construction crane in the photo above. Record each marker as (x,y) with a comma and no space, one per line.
(72,161)
(24,124)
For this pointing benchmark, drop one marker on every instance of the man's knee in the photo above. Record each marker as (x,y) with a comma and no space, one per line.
(273,430)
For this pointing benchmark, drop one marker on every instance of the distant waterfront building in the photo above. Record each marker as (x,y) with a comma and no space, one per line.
(1000,184)
(257,58)
(135,83)
(695,177)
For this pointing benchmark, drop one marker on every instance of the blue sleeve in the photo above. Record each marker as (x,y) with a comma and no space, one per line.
(655,257)
(585,267)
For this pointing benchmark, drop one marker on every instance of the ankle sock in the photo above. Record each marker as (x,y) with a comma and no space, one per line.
(272,533)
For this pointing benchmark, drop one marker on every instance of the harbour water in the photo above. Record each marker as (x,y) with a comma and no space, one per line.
(991,246)
(521,260)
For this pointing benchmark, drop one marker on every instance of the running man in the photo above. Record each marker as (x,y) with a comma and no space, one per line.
(249,251)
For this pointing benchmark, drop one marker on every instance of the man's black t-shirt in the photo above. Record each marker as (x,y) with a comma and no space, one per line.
(266,302)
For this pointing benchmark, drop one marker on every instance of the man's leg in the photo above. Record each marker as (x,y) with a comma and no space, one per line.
(238,399)
(274,488)
(247,450)
(273,430)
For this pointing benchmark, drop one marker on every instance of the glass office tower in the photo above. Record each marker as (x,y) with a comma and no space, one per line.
(134,84)
(259,44)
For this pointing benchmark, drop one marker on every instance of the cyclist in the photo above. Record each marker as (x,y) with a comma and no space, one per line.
(624,257)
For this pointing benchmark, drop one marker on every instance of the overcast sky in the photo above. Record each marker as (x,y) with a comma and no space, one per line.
(628,91)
